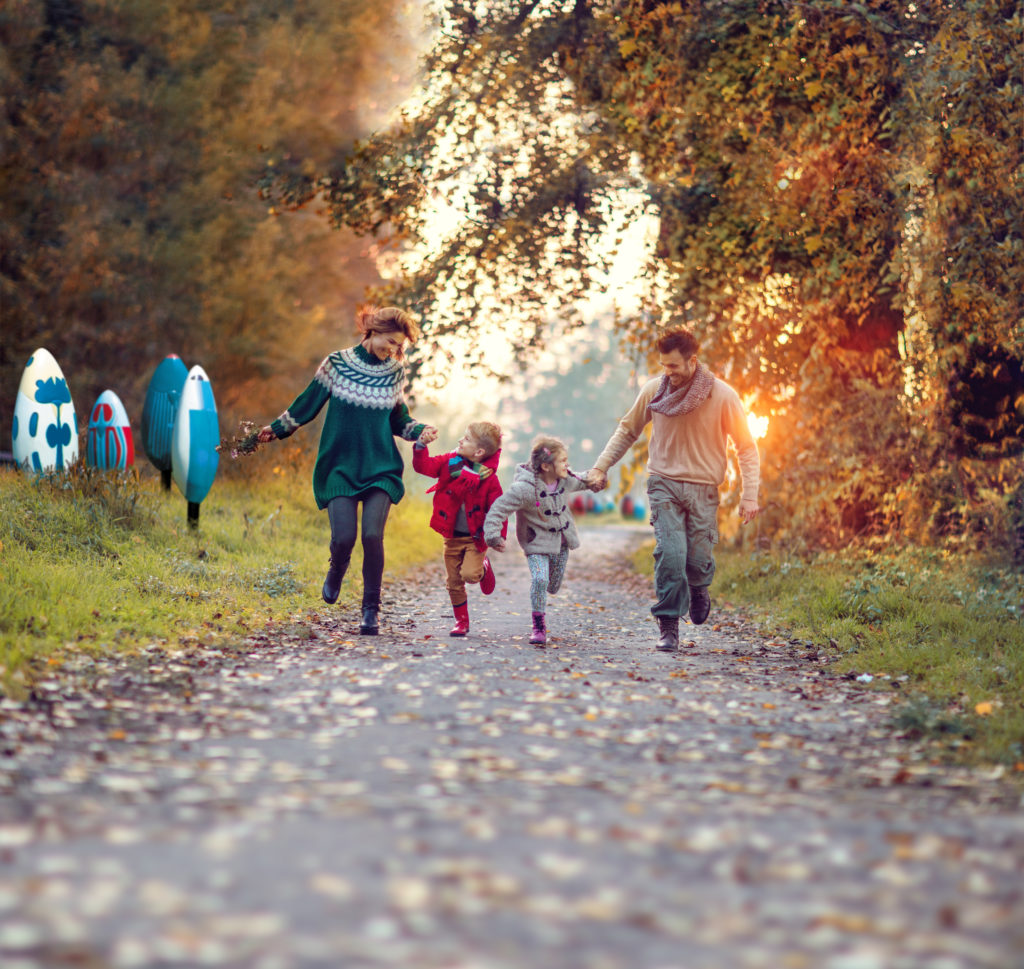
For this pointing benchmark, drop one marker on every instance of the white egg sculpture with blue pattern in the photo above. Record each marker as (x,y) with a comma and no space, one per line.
(45,430)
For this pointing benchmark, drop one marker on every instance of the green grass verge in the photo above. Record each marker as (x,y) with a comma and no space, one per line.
(102,560)
(944,632)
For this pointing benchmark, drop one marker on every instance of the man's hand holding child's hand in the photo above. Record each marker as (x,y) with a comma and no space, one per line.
(427,435)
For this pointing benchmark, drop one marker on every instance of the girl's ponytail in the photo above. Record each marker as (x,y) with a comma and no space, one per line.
(543,452)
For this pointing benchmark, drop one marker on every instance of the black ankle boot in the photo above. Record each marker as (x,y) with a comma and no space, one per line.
(369,625)
(335,574)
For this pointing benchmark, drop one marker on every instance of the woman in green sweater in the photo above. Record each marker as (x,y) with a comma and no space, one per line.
(358,460)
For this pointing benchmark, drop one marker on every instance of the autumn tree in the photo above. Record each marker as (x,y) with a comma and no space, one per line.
(838,191)
(129,222)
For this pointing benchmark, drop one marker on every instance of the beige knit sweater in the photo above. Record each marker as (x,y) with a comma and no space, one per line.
(690,447)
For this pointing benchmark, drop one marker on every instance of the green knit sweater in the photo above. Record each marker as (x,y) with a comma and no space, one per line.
(365,410)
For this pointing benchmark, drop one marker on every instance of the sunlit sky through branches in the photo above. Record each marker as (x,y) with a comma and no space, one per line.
(626,246)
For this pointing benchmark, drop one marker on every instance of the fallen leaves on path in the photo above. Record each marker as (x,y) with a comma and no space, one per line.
(414,800)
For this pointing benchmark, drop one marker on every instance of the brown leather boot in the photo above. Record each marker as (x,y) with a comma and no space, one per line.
(669,642)
(700,604)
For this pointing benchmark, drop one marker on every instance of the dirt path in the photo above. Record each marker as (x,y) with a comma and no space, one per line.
(415,801)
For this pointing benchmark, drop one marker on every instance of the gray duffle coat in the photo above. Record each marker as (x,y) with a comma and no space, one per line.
(543,517)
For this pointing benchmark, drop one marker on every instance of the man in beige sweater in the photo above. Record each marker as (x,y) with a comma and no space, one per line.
(693,414)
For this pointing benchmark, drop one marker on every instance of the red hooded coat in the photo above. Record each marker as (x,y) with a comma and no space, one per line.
(466,489)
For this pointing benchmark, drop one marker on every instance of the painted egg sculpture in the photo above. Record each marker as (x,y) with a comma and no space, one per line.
(194,454)
(109,444)
(639,511)
(160,409)
(45,431)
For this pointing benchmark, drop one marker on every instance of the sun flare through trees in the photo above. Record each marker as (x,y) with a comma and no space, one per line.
(838,190)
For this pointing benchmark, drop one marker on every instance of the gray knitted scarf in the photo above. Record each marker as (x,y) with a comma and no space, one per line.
(687,398)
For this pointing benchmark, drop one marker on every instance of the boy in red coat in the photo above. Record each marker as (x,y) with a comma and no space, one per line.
(466,488)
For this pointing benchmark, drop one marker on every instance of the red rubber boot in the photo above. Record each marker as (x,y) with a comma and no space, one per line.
(487,579)
(461,627)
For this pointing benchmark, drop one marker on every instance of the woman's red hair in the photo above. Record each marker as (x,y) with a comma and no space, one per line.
(386,319)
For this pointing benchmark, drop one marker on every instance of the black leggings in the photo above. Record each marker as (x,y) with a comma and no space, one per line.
(343,513)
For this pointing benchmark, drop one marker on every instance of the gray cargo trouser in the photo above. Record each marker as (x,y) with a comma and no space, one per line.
(685,520)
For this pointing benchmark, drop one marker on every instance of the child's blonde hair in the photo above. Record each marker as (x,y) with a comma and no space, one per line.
(543,451)
(487,435)
(386,319)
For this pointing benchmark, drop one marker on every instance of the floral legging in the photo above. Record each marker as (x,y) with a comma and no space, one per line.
(546,574)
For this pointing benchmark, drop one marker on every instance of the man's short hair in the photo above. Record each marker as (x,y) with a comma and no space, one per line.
(487,435)
(678,338)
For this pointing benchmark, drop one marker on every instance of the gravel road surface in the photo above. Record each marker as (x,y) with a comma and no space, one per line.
(320,799)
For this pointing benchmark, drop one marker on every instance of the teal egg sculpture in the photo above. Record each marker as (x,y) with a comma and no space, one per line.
(194,456)
(160,409)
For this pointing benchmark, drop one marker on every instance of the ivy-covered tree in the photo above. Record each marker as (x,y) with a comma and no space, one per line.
(971,218)
(824,223)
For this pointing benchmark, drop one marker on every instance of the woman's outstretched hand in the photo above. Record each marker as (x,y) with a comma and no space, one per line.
(266,435)
(427,435)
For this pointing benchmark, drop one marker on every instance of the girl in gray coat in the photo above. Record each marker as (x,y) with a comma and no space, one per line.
(544,524)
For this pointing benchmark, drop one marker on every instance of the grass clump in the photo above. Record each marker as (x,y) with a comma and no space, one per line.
(93,560)
(945,632)
(80,511)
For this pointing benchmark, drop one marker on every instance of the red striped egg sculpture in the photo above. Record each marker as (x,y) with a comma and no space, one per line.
(109,444)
